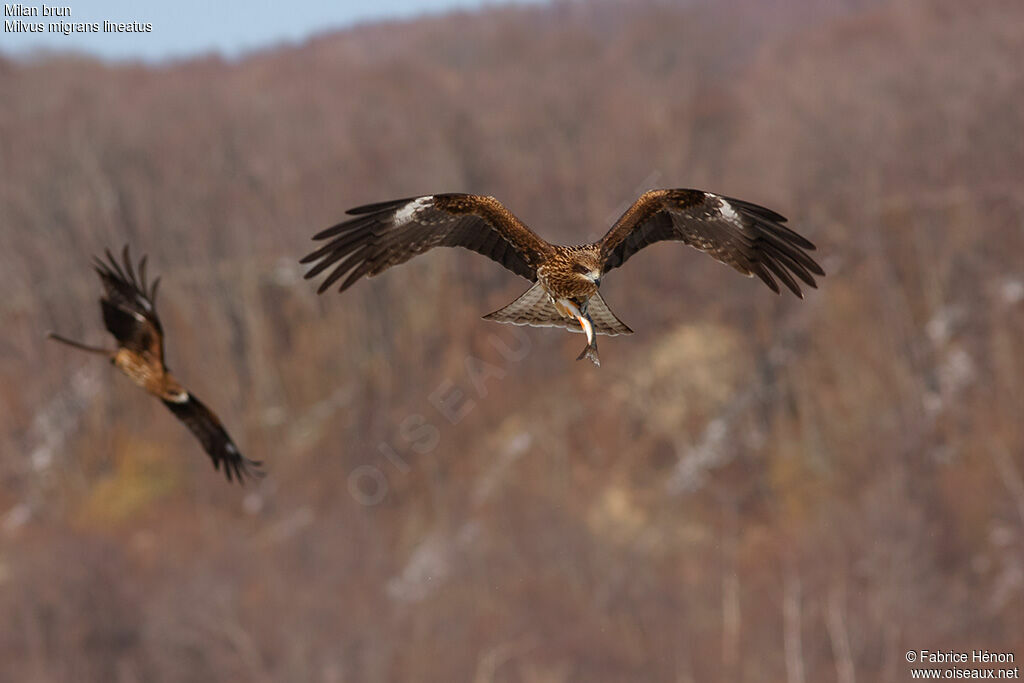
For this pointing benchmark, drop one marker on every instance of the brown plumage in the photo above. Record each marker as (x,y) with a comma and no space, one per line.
(748,237)
(129,313)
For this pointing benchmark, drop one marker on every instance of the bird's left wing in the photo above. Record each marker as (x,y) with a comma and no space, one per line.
(129,306)
(211,434)
(748,237)
(389,233)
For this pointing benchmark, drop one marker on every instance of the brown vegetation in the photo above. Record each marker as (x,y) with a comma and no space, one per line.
(751,488)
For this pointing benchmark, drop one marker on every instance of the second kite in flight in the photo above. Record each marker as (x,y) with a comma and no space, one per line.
(129,313)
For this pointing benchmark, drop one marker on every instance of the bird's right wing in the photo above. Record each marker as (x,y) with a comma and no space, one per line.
(750,238)
(387,234)
(202,422)
(129,306)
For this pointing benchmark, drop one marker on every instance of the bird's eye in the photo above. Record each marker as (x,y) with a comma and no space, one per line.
(581,269)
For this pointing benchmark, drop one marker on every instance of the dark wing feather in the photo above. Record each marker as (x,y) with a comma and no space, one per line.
(389,233)
(129,306)
(214,438)
(748,237)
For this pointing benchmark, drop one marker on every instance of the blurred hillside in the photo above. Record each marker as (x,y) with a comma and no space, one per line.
(751,487)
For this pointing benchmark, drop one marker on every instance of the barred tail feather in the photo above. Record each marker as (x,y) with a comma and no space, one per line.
(605,322)
(536,309)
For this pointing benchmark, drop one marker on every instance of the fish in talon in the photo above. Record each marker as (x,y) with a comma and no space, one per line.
(587,326)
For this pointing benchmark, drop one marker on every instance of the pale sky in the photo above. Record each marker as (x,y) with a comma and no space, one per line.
(183,28)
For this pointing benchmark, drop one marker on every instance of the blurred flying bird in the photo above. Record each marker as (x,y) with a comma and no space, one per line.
(129,313)
(748,237)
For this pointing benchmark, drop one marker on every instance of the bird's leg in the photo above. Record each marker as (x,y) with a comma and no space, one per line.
(78,345)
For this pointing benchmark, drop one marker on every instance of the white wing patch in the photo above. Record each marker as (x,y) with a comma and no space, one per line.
(727,211)
(406,213)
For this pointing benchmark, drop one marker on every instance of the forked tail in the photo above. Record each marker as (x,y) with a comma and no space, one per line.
(536,309)
(78,345)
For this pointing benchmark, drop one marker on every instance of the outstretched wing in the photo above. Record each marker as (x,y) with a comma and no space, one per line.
(387,234)
(129,306)
(748,237)
(212,435)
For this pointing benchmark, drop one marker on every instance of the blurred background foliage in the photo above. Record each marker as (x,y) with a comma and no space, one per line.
(750,488)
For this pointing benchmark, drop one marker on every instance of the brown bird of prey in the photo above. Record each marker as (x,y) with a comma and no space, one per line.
(748,237)
(129,313)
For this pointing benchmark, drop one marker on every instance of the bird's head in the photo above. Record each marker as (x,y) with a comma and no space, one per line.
(586,266)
